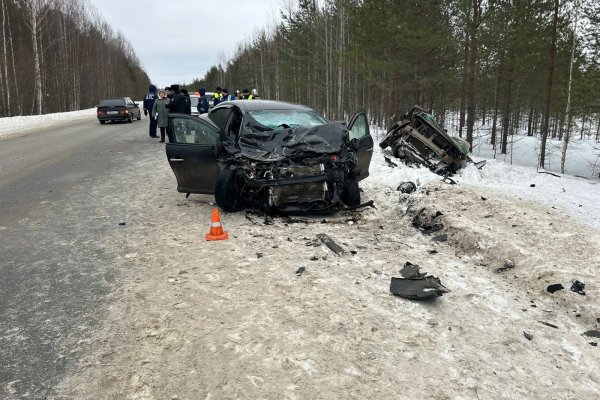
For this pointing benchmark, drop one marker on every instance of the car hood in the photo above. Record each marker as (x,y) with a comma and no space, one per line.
(293,143)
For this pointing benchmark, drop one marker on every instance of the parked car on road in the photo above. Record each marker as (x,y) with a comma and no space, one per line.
(270,155)
(118,109)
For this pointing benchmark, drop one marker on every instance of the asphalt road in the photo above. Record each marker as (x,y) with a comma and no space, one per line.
(55,271)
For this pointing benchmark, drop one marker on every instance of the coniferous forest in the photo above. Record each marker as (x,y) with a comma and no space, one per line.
(504,63)
(60,55)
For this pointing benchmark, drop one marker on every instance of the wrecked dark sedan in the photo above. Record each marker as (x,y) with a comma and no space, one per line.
(270,156)
(418,139)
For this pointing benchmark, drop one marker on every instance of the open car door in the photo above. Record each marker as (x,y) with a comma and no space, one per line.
(192,156)
(359,130)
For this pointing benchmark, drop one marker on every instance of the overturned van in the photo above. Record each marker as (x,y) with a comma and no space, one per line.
(418,139)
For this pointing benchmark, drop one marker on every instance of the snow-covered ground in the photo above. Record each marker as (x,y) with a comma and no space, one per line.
(188,319)
(580,197)
(19,125)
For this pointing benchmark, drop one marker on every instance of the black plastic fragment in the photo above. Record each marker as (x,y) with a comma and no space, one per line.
(548,324)
(411,271)
(427,223)
(389,162)
(532,185)
(300,271)
(418,286)
(595,344)
(333,246)
(407,187)
(578,287)
(122,223)
(259,255)
(592,333)
(555,287)
(440,238)
(527,335)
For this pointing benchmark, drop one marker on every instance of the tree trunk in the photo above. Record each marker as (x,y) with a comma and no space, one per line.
(496,101)
(507,102)
(472,72)
(567,135)
(548,100)
(463,87)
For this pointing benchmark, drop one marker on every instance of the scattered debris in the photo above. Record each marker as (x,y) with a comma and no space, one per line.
(389,162)
(483,198)
(411,271)
(440,238)
(555,287)
(333,246)
(369,203)
(418,139)
(548,324)
(532,185)
(432,251)
(300,271)
(527,335)
(407,187)
(578,287)
(508,264)
(426,222)
(480,164)
(259,255)
(121,223)
(595,344)
(449,180)
(314,258)
(416,285)
(592,333)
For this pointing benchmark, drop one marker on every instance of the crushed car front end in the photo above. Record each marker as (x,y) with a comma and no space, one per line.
(294,170)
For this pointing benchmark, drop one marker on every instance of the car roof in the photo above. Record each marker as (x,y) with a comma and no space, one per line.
(256,105)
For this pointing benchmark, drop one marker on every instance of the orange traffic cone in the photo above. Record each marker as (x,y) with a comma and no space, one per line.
(216,229)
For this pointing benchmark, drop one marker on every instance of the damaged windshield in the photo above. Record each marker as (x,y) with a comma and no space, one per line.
(275,119)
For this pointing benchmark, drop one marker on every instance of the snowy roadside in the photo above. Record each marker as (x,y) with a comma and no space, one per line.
(579,197)
(239,319)
(22,125)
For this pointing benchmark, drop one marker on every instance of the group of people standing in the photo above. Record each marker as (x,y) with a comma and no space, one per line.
(172,99)
(222,94)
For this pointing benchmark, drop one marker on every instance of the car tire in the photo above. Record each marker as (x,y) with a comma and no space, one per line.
(352,194)
(130,120)
(139,117)
(227,195)
(102,122)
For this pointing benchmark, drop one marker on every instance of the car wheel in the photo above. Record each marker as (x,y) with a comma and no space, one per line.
(227,194)
(352,194)
(130,120)
(102,122)
(139,117)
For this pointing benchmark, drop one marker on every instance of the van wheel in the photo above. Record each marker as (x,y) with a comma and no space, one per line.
(227,191)
(102,122)
(352,194)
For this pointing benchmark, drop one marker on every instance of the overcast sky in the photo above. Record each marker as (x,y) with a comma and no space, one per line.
(178,40)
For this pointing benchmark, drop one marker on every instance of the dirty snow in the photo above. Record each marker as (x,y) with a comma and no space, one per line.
(193,319)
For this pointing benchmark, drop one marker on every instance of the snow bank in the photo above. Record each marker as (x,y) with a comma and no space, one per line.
(13,126)
(579,197)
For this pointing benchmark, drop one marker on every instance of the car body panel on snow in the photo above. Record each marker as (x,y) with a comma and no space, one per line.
(270,155)
(418,139)
(118,109)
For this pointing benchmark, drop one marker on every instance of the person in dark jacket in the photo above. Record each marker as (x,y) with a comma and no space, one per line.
(148,103)
(188,101)
(226,96)
(202,101)
(178,103)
